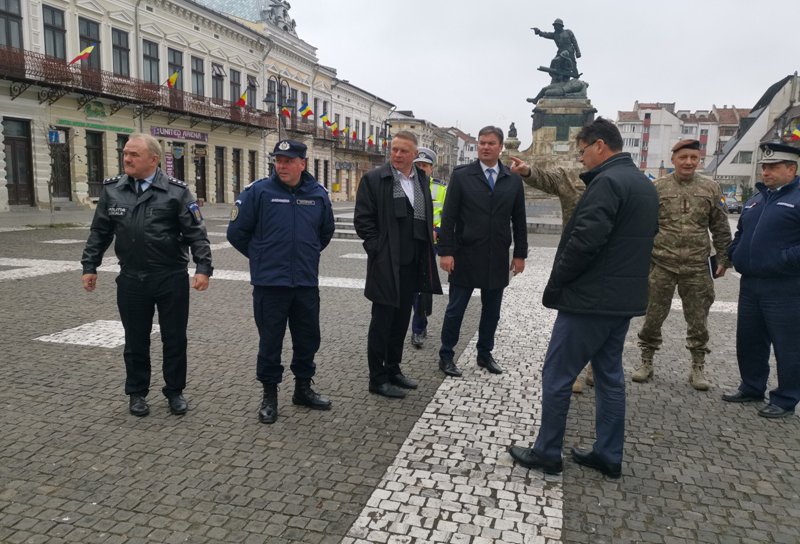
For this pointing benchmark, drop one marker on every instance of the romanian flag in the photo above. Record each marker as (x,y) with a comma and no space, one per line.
(355,135)
(285,111)
(795,134)
(370,141)
(345,130)
(242,99)
(173,79)
(83,55)
(335,128)
(305,111)
(325,119)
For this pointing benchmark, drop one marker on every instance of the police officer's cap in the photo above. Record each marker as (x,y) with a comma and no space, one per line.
(290,148)
(425,155)
(558,22)
(686,144)
(772,152)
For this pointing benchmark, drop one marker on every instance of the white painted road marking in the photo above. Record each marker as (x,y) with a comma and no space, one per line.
(101,334)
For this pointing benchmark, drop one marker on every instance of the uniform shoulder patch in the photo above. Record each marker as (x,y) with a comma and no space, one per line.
(176,181)
(437,181)
(109,181)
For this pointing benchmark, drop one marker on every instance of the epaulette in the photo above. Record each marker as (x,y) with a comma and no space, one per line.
(246,187)
(176,181)
(438,181)
(111,180)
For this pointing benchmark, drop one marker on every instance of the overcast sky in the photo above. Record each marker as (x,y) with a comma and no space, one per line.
(472,63)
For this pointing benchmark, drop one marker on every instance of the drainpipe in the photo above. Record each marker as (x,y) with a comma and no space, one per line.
(264,82)
(136,51)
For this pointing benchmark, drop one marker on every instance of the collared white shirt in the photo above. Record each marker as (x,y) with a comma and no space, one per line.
(407,182)
(496,169)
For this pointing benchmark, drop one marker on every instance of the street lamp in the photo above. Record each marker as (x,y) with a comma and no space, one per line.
(280,97)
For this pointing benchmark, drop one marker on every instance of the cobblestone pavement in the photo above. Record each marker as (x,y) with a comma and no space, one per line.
(76,467)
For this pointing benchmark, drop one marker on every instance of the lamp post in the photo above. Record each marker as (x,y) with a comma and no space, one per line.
(280,97)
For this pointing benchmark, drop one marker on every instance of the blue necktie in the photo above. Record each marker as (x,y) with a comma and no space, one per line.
(490,177)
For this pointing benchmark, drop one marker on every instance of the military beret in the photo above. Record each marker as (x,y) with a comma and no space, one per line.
(290,148)
(686,144)
(772,152)
(425,155)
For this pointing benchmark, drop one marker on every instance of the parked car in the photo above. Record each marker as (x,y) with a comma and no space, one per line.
(733,205)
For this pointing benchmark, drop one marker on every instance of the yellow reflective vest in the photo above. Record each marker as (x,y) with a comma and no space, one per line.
(438,191)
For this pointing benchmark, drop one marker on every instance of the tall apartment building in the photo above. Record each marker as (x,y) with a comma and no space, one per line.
(650,130)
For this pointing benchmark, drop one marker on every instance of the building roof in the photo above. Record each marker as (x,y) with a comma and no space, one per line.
(462,135)
(730,116)
(627,116)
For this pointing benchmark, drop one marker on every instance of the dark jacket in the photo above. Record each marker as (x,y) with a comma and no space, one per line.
(767,241)
(153,232)
(376,224)
(282,230)
(477,226)
(603,258)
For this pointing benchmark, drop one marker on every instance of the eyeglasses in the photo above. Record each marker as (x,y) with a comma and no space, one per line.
(583,150)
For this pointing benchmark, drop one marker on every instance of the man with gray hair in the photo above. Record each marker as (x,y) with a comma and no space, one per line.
(394,217)
(155,220)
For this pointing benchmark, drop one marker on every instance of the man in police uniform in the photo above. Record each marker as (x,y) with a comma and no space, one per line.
(690,206)
(155,220)
(281,224)
(766,251)
(423,302)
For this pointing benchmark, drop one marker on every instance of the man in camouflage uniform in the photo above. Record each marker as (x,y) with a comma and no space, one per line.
(690,206)
(568,188)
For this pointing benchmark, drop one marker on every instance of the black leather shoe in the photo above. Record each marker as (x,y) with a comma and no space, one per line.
(488,362)
(738,396)
(138,406)
(178,405)
(305,396)
(387,390)
(400,380)
(589,458)
(774,412)
(417,340)
(528,459)
(449,367)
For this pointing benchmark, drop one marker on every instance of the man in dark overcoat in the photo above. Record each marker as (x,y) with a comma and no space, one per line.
(394,217)
(485,204)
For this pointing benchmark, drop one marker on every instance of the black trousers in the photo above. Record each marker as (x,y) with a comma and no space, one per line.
(388,327)
(137,299)
(273,307)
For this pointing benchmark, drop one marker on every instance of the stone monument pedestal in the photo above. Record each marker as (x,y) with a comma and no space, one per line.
(556,122)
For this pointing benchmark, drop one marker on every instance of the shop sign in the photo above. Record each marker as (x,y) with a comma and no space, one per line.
(179,134)
(96,126)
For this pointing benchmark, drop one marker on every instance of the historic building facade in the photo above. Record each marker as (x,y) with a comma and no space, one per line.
(215,90)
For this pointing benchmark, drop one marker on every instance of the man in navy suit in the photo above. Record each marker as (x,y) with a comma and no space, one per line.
(484,201)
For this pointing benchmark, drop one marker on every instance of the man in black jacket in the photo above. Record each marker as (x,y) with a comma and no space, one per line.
(598,282)
(394,217)
(484,201)
(155,220)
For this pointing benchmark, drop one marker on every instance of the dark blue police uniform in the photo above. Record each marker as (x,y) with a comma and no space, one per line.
(282,230)
(766,251)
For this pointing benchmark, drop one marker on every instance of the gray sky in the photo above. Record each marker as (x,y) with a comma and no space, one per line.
(470,64)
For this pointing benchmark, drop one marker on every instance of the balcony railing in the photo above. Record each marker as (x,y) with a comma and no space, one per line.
(28,67)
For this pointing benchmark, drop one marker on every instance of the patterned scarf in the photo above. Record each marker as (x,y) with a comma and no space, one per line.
(419,199)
